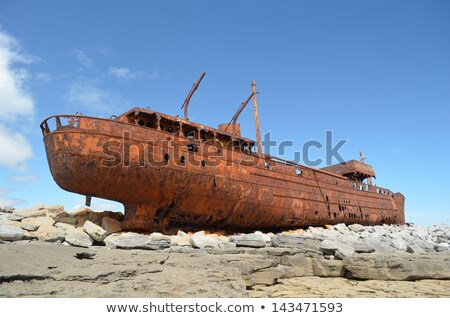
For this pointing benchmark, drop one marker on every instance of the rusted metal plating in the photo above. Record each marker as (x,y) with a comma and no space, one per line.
(172,173)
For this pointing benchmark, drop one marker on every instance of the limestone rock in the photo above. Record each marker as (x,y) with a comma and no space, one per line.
(80,212)
(56,212)
(416,249)
(78,237)
(341,228)
(297,265)
(296,241)
(227,246)
(339,250)
(249,240)
(58,215)
(398,266)
(65,226)
(136,241)
(317,232)
(26,213)
(67,220)
(441,247)
(6,209)
(203,242)
(11,233)
(380,244)
(49,233)
(32,224)
(181,233)
(10,222)
(268,276)
(94,231)
(361,247)
(328,268)
(267,237)
(356,227)
(111,225)
(180,240)
(55,207)
(399,244)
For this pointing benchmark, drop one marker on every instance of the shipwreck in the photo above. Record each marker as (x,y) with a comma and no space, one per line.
(172,173)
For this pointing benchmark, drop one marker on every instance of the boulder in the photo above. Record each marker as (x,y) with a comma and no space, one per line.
(380,230)
(399,244)
(94,231)
(317,232)
(441,247)
(199,233)
(9,222)
(203,242)
(248,240)
(362,247)
(77,237)
(6,209)
(339,250)
(32,224)
(356,227)
(80,212)
(67,220)
(111,225)
(266,236)
(64,226)
(182,234)
(136,241)
(416,249)
(341,228)
(380,244)
(49,233)
(227,246)
(180,240)
(26,213)
(56,211)
(11,233)
(296,241)
(420,233)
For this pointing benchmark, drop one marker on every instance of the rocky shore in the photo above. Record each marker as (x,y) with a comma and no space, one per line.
(46,251)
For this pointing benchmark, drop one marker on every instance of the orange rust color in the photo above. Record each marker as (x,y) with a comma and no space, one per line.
(172,173)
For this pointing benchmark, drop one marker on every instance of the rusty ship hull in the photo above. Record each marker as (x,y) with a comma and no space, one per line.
(173,173)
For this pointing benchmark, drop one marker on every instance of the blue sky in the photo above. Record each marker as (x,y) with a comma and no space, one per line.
(376,73)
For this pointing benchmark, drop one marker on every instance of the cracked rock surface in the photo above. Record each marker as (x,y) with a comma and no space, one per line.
(45,269)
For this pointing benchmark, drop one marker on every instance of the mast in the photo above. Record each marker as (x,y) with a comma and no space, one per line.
(363,160)
(239,111)
(188,98)
(255,108)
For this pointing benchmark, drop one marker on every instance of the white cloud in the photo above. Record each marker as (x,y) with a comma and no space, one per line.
(15,102)
(88,96)
(101,205)
(153,75)
(14,98)
(5,200)
(125,73)
(24,178)
(43,77)
(15,150)
(82,58)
